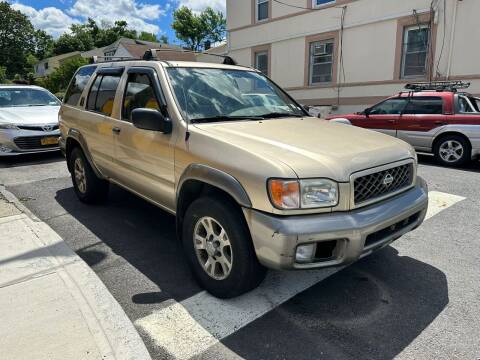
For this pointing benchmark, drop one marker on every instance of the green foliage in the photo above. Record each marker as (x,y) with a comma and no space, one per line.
(43,44)
(3,74)
(164,39)
(196,29)
(16,39)
(145,36)
(59,79)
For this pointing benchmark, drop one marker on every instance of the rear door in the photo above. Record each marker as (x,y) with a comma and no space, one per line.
(97,127)
(421,116)
(145,159)
(383,117)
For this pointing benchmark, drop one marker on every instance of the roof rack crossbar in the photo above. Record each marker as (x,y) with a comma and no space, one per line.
(152,55)
(106,59)
(453,86)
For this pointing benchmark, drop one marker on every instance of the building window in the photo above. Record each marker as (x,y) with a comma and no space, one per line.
(415,51)
(261,61)
(262,9)
(108,55)
(46,66)
(320,3)
(321,62)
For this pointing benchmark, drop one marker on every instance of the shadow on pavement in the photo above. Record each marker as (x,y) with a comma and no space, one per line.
(138,232)
(371,310)
(30,159)
(428,160)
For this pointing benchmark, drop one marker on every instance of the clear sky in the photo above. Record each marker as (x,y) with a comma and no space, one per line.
(155,16)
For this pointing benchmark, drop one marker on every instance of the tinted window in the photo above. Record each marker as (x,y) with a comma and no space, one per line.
(102,94)
(79,81)
(424,106)
(389,107)
(139,94)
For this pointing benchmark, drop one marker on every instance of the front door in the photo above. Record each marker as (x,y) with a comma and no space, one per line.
(383,117)
(145,159)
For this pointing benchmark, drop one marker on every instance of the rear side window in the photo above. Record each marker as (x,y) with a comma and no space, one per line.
(79,81)
(102,94)
(392,106)
(139,94)
(424,105)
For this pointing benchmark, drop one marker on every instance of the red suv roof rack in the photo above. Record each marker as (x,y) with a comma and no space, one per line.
(453,86)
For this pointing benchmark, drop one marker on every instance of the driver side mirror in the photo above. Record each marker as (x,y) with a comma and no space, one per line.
(367,112)
(151,119)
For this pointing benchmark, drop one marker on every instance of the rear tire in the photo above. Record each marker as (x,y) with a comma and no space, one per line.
(452,150)
(88,187)
(219,248)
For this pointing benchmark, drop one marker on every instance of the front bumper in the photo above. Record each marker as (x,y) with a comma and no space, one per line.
(18,142)
(355,234)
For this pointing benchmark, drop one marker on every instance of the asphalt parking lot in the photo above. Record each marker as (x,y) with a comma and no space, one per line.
(417,299)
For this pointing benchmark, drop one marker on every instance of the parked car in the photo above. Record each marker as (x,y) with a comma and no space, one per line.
(434,118)
(28,120)
(254,181)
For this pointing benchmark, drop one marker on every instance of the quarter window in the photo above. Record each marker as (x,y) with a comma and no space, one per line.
(78,84)
(261,61)
(102,94)
(415,51)
(262,9)
(139,94)
(389,107)
(321,61)
(424,106)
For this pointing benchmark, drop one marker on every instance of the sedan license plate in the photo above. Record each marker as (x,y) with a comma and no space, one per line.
(49,141)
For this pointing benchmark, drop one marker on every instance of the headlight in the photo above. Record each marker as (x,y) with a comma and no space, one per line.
(303,194)
(8,126)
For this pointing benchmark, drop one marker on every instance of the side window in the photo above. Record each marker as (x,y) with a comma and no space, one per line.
(464,105)
(424,106)
(139,93)
(389,107)
(79,81)
(102,94)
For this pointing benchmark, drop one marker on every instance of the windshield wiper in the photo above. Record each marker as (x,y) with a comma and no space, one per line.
(274,115)
(224,118)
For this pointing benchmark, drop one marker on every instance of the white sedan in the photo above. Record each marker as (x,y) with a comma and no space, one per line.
(28,120)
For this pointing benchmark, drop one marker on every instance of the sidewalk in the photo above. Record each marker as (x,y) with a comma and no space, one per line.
(52,305)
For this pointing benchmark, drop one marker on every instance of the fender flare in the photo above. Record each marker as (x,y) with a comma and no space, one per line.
(78,137)
(217,178)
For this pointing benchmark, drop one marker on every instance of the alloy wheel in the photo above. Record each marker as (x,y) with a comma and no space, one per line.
(213,248)
(80,176)
(451,151)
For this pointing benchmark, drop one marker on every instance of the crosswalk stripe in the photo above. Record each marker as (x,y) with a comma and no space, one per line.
(188,328)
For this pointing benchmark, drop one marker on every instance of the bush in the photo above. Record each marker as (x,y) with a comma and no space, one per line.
(58,80)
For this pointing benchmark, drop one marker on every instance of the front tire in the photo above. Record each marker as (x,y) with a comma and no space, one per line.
(88,187)
(219,248)
(452,150)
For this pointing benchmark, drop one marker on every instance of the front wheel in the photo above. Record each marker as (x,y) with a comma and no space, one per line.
(452,150)
(218,245)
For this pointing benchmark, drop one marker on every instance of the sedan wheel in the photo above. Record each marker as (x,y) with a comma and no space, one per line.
(451,151)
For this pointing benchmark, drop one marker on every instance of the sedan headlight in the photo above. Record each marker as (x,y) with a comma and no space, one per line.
(303,194)
(8,126)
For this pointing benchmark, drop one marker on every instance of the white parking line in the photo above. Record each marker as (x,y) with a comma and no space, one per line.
(190,327)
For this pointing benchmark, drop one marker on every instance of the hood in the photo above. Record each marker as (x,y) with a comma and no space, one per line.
(313,147)
(30,115)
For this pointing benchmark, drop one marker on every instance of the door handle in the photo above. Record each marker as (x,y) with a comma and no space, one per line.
(116,130)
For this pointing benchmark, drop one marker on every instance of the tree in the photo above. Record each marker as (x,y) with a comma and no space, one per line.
(145,36)
(195,30)
(3,74)
(164,39)
(43,44)
(59,79)
(16,40)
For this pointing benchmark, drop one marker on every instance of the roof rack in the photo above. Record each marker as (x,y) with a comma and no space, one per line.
(106,59)
(152,54)
(453,86)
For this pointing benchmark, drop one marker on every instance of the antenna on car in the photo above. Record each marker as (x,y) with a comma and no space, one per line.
(453,86)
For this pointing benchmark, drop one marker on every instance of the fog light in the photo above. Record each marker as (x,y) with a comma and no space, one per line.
(305,253)
(4,149)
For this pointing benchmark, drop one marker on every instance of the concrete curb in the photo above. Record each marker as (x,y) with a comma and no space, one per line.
(114,334)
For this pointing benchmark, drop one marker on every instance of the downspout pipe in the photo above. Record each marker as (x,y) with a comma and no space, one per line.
(452,40)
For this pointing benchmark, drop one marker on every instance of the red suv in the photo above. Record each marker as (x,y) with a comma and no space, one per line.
(432,117)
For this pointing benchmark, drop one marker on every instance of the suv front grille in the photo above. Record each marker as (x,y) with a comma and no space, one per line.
(372,186)
(32,142)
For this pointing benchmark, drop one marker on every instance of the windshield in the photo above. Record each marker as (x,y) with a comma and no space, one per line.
(205,94)
(26,97)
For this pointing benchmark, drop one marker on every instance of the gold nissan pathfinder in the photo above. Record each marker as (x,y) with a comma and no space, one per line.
(253,180)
